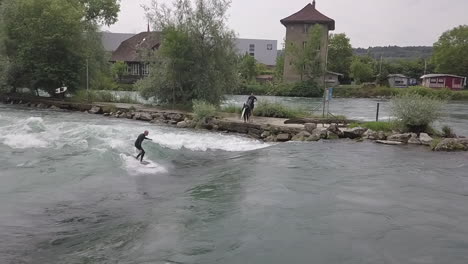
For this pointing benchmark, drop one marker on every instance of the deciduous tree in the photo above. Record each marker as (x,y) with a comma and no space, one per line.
(451,52)
(362,69)
(197,58)
(340,54)
(306,58)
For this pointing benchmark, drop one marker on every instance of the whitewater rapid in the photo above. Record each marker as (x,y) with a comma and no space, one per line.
(84,132)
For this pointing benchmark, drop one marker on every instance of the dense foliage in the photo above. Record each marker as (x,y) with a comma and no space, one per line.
(362,69)
(197,58)
(451,52)
(248,68)
(299,89)
(340,55)
(48,43)
(396,52)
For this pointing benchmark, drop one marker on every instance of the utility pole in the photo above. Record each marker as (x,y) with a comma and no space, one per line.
(87,77)
(381,58)
(425,66)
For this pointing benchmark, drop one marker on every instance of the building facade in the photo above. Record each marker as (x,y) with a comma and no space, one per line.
(398,81)
(133,52)
(441,81)
(297,29)
(263,50)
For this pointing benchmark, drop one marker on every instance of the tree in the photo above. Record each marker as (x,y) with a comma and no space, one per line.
(451,52)
(279,68)
(362,69)
(118,69)
(340,54)
(247,67)
(197,58)
(306,58)
(49,42)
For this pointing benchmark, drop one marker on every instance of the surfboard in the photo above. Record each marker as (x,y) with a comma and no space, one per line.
(145,163)
(243,113)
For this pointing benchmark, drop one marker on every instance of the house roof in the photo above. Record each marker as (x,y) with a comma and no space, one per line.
(396,76)
(129,50)
(440,75)
(111,41)
(309,15)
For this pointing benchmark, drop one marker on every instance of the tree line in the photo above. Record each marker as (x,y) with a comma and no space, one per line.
(45,44)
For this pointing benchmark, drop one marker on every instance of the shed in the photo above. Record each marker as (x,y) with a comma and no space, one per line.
(440,81)
(398,81)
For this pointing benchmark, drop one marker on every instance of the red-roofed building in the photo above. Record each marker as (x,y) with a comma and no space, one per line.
(297,28)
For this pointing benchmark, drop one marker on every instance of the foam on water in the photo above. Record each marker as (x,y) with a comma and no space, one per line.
(23,141)
(207,141)
(134,167)
(34,132)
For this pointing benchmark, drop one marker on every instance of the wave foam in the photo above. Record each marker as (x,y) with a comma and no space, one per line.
(207,141)
(24,141)
(134,167)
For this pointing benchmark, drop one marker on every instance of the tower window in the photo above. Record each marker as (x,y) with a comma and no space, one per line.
(269,46)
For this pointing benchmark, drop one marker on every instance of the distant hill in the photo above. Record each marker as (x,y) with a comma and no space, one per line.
(395,52)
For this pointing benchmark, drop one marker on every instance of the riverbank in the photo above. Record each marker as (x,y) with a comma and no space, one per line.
(261,128)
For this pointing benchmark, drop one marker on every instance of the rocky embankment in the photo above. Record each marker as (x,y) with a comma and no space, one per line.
(306,132)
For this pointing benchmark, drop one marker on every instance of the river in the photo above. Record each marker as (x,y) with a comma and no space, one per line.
(70,192)
(455,113)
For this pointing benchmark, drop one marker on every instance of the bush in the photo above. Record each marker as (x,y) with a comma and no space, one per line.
(83,96)
(416,112)
(447,132)
(269,109)
(203,111)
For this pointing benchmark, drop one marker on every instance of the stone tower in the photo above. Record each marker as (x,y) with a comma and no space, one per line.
(297,27)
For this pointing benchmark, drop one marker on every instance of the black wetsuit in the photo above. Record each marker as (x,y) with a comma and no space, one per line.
(251,102)
(138,146)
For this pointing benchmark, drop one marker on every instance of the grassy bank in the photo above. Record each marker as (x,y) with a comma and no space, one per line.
(270,109)
(304,89)
(299,89)
(369,92)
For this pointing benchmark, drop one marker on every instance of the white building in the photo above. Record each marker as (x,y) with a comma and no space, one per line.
(263,50)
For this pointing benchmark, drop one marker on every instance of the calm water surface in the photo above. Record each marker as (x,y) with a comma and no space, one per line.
(70,192)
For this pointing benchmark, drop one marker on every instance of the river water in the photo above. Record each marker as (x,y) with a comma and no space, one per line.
(455,113)
(70,192)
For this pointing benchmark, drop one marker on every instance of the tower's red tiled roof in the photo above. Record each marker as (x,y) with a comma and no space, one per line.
(309,15)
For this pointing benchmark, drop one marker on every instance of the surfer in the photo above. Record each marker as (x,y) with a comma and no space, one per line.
(251,102)
(138,145)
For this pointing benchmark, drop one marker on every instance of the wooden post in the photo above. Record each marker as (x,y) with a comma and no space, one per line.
(377,115)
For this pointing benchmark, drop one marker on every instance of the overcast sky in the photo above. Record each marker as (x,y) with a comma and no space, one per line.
(366,22)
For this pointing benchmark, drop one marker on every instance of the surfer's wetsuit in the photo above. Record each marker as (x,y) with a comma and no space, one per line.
(251,102)
(138,146)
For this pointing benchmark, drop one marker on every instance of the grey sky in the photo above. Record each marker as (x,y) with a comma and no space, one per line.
(366,22)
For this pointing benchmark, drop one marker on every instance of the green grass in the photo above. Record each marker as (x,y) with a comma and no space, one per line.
(435,142)
(278,110)
(232,108)
(351,91)
(377,126)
